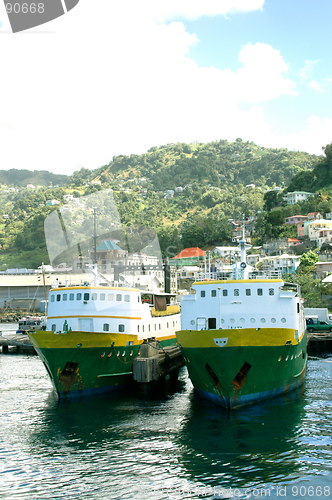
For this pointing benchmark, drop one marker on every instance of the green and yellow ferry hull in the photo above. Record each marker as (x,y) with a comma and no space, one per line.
(86,363)
(238,367)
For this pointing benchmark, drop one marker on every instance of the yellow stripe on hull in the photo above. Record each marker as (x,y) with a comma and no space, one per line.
(50,340)
(92,316)
(238,337)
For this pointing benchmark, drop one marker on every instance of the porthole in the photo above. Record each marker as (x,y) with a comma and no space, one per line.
(252,320)
(283,320)
(263,320)
(222,321)
(242,320)
(232,320)
(273,320)
(192,322)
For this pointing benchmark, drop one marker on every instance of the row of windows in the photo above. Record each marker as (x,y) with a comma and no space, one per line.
(236,292)
(252,320)
(212,322)
(122,328)
(94,296)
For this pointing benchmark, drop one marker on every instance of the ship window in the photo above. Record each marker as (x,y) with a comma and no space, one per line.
(143,328)
(159,326)
(127,298)
(149,327)
(102,296)
(273,320)
(202,293)
(71,296)
(252,320)
(248,291)
(64,296)
(167,324)
(137,328)
(78,296)
(298,307)
(121,328)
(259,291)
(213,293)
(86,296)
(212,323)
(106,327)
(236,292)
(118,297)
(94,296)
(271,291)
(225,293)
(52,298)
(53,328)
(110,296)
(263,320)
(155,326)
(283,320)
(58,298)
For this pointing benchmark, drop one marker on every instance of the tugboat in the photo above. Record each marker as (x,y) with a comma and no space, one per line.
(243,338)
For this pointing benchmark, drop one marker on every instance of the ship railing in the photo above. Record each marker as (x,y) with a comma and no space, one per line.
(239,275)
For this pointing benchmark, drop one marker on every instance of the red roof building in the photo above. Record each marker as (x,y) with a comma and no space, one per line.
(188,256)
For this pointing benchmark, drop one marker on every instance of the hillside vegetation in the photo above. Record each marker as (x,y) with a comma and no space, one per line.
(220,180)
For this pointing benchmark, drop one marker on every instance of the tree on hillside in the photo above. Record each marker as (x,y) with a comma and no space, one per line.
(323,169)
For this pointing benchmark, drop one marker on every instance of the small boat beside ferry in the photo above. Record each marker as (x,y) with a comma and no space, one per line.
(94,332)
(243,338)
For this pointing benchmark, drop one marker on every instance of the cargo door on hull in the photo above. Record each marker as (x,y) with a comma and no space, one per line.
(85,324)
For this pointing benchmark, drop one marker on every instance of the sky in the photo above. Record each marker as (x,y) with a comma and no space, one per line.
(119,77)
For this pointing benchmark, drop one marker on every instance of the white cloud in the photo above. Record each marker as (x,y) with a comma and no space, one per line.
(316,134)
(112,81)
(315,86)
(263,74)
(307,69)
(193,9)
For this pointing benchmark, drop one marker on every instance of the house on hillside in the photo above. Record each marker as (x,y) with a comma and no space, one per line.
(187,257)
(279,246)
(295,219)
(284,263)
(296,196)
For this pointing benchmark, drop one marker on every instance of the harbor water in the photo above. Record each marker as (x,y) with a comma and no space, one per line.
(166,445)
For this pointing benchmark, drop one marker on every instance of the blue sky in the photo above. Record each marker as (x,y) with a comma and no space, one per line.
(112,78)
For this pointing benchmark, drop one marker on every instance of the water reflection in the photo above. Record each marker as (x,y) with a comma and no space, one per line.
(157,446)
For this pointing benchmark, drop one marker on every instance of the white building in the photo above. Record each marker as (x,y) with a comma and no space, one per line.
(284,263)
(296,196)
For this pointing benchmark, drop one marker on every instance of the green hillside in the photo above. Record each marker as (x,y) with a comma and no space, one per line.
(219,180)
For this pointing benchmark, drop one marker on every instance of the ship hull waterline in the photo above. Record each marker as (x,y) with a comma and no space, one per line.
(87,364)
(238,375)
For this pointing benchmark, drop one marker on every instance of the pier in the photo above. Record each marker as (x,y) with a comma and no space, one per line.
(154,363)
(16,343)
(319,342)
